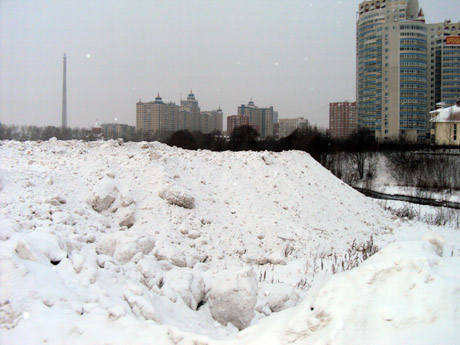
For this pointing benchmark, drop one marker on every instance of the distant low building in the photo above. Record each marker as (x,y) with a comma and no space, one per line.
(95,133)
(118,130)
(287,126)
(445,127)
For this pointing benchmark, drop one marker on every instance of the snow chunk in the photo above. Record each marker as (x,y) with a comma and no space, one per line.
(127,217)
(233,297)
(104,195)
(116,312)
(171,254)
(24,252)
(128,246)
(436,240)
(177,196)
(183,283)
(280,296)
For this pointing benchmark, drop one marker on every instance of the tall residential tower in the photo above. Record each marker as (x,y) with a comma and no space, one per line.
(260,118)
(398,73)
(342,119)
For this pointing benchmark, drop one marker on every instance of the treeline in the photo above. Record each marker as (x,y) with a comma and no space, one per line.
(244,138)
(34,133)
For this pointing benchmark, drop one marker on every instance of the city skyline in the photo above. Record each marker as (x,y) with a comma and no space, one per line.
(297,56)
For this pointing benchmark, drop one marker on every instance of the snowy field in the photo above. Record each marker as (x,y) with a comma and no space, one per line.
(140,243)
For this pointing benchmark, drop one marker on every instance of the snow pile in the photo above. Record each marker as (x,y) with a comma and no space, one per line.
(109,243)
(405,294)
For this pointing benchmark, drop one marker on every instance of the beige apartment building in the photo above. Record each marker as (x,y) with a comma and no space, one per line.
(159,118)
(287,126)
(192,111)
(212,121)
(446,125)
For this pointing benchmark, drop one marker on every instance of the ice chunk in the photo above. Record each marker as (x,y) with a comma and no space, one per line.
(176,196)
(233,297)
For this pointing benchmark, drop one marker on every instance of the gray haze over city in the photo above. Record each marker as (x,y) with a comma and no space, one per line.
(295,55)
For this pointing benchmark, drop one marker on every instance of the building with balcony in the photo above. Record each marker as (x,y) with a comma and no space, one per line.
(401,68)
(287,126)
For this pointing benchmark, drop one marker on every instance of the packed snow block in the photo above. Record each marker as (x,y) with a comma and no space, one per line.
(436,241)
(60,217)
(233,297)
(177,196)
(77,262)
(57,201)
(127,217)
(23,251)
(184,284)
(116,312)
(106,245)
(171,254)
(104,195)
(279,296)
(49,245)
(6,231)
(100,204)
(127,246)
(40,247)
(141,306)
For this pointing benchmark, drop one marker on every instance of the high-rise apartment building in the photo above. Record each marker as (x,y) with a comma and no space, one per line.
(260,118)
(342,119)
(156,117)
(211,121)
(444,63)
(192,119)
(394,79)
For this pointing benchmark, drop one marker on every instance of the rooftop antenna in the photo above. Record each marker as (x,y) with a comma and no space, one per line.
(64,94)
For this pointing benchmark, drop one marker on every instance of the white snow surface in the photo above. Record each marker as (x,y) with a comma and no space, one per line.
(141,243)
(449,114)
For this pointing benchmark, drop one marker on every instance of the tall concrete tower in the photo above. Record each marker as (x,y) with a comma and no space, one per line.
(64,95)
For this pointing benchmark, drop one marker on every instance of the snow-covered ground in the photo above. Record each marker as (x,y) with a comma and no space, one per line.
(140,243)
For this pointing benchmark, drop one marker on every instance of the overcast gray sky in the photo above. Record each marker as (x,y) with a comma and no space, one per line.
(297,55)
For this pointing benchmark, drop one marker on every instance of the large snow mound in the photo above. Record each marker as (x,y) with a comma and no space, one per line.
(108,243)
(404,294)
